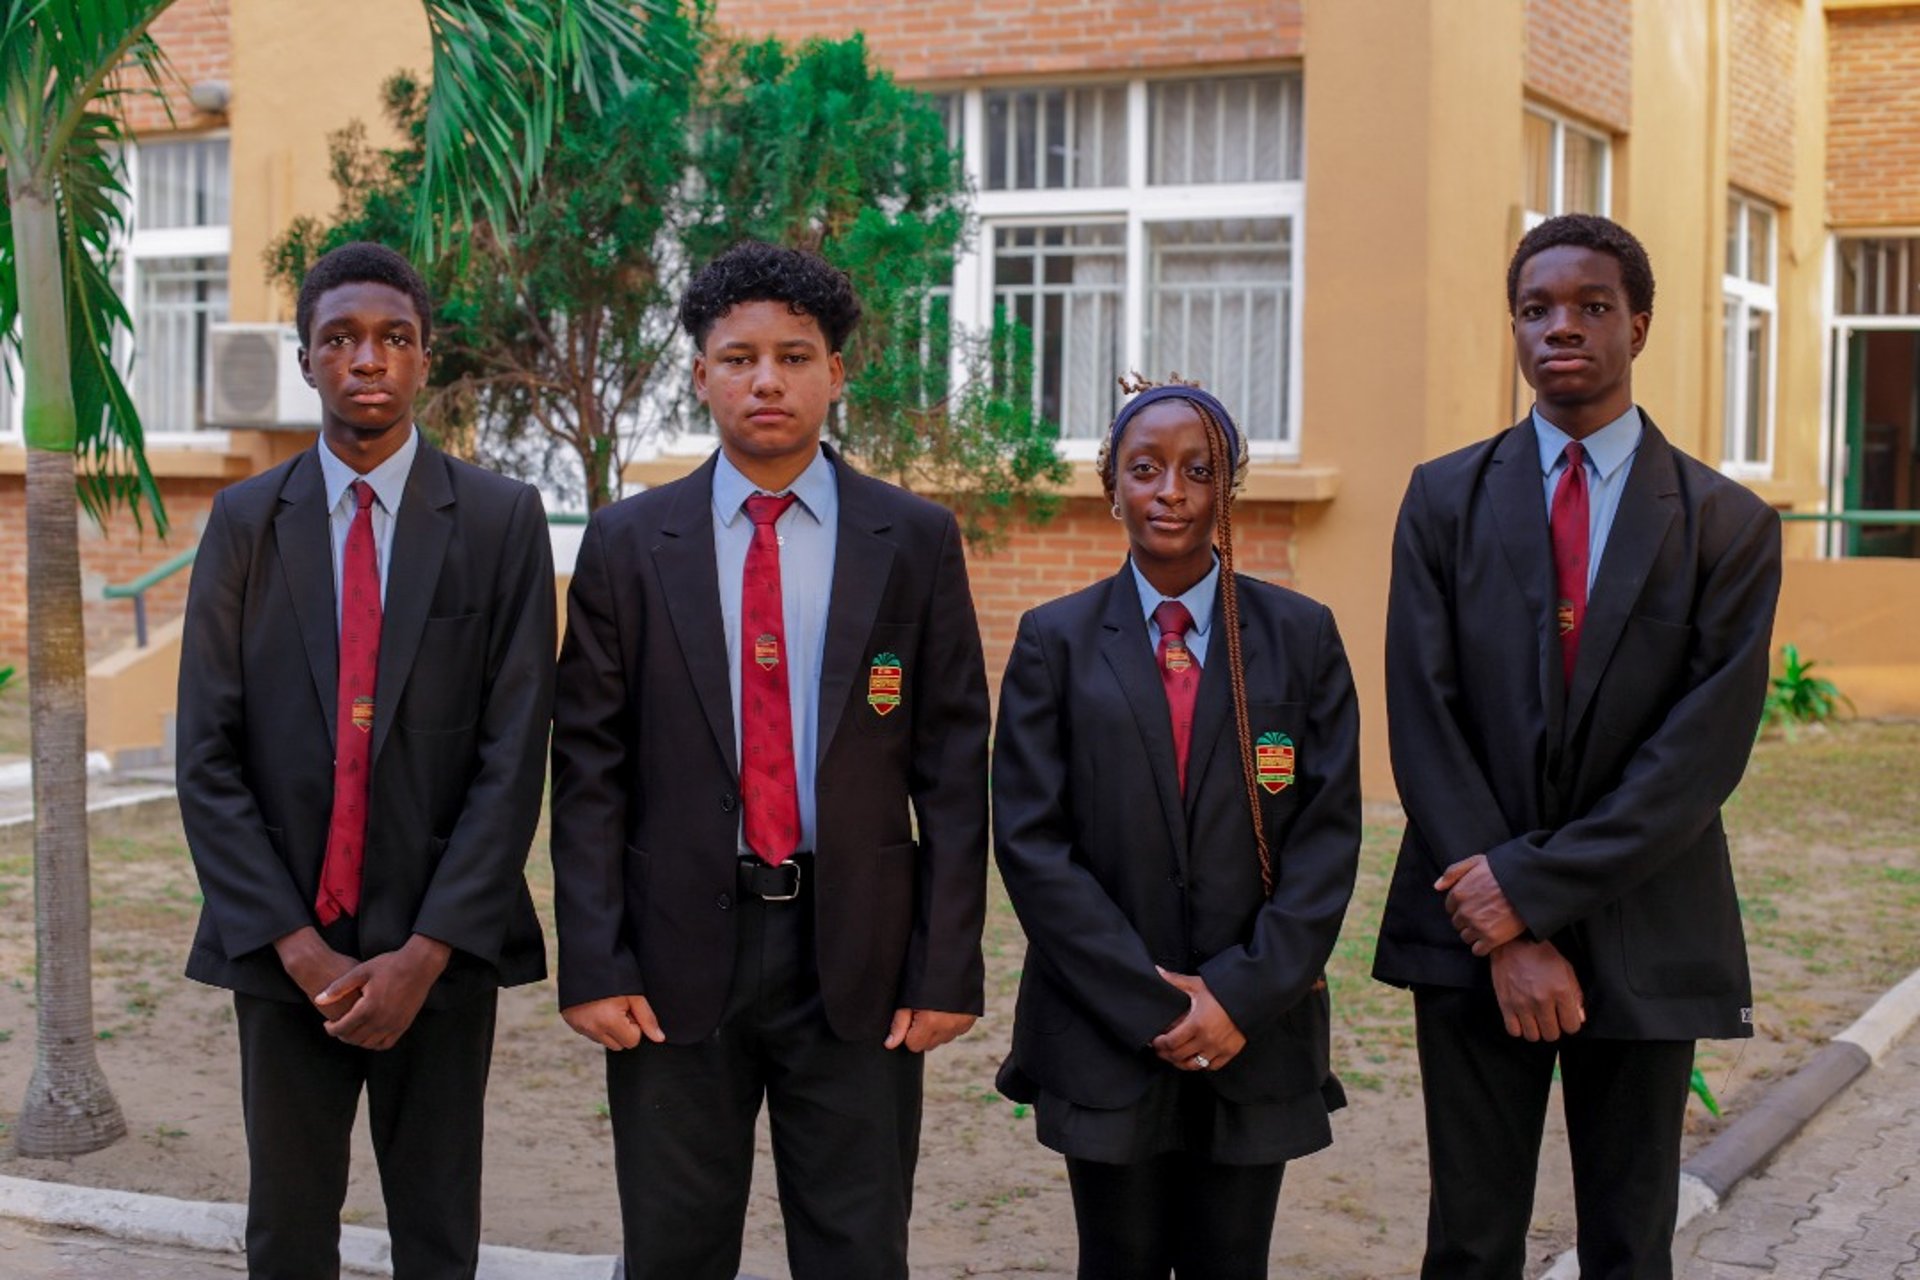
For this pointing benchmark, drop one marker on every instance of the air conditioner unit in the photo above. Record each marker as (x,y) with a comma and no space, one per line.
(253,378)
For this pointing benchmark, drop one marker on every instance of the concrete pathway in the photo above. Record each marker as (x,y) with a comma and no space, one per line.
(1839,1202)
(30,1252)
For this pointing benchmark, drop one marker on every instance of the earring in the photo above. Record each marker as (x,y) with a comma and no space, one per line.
(1116,512)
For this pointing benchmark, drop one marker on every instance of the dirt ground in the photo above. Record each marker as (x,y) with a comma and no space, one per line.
(1829,870)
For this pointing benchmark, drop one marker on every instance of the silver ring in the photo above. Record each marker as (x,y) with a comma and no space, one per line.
(1201,1060)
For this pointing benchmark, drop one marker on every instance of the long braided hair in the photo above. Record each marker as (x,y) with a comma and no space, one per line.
(1227,461)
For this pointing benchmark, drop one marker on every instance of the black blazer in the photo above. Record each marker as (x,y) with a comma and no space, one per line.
(1112,871)
(646,788)
(463,699)
(1598,808)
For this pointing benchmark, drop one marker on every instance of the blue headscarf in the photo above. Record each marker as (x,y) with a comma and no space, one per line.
(1236,443)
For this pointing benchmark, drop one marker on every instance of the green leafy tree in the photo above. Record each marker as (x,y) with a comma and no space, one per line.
(555,328)
(505,71)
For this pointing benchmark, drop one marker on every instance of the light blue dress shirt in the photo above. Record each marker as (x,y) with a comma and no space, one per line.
(809,533)
(1610,450)
(389,481)
(1199,601)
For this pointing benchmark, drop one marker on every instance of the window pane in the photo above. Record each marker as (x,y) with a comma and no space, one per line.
(182,184)
(1066,285)
(1733,380)
(1238,129)
(1736,215)
(177,298)
(1585,162)
(1048,139)
(1877,277)
(1537,143)
(1220,313)
(1759,380)
(1759,245)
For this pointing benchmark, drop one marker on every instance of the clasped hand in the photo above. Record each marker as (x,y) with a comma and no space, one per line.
(1206,1030)
(622,1022)
(1478,906)
(1538,991)
(367,1003)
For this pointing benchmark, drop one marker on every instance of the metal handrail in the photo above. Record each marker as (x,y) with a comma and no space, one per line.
(1855,517)
(138,588)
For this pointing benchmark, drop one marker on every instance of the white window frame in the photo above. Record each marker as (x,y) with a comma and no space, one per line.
(1840,326)
(1746,297)
(1562,125)
(136,245)
(1137,205)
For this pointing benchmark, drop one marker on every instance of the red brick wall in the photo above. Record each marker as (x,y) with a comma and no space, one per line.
(193,34)
(1873,100)
(959,39)
(116,555)
(1763,53)
(1084,544)
(1580,57)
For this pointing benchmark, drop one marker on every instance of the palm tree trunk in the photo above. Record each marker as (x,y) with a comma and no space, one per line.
(68,1109)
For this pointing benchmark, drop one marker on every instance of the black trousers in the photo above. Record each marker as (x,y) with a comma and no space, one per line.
(426,1100)
(1176,1214)
(1486,1101)
(845,1119)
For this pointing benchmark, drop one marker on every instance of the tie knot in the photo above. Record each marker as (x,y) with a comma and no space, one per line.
(1172,618)
(764,508)
(362,495)
(1575,454)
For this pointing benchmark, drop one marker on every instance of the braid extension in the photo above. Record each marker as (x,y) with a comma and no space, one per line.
(1223,469)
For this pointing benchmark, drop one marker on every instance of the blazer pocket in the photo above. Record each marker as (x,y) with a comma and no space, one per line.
(443,693)
(1643,677)
(881,701)
(1680,933)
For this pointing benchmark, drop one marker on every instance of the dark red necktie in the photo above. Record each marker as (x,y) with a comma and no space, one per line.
(1180,674)
(353,715)
(1569,522)
(770,820)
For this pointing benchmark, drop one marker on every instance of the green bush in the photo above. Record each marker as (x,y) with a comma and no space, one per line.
(1796,697)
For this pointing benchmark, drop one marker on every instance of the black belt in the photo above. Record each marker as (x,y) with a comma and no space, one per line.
(774,884)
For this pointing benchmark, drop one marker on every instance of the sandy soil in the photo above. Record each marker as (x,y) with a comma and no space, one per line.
(1830,876)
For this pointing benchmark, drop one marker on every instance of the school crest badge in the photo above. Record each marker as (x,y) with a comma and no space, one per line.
(363,713)
(883,683)
(766,651)
(1273,762)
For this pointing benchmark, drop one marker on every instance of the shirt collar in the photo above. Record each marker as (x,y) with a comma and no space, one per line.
(1198,598)
(389,479)
(814,487)
(1608,449)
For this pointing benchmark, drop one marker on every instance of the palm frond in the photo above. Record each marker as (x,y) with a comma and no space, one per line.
(502,70)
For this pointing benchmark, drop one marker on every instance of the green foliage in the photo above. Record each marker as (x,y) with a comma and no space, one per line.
(555,329)
(6,678)
(1704,1092)
(1795,697)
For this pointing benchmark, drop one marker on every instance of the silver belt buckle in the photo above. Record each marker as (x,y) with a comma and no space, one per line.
(785,897)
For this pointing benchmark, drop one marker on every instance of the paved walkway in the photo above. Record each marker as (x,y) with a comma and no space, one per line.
(1840,1202)
(39,1253)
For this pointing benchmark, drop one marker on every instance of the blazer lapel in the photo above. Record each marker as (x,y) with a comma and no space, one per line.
(419,547)
(1648,507)
(862,563)
(305,544)
(1124,644)
(1516,496)
(690,577)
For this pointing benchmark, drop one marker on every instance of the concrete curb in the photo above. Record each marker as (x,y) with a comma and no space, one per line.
(1757,1136)
(221,1228)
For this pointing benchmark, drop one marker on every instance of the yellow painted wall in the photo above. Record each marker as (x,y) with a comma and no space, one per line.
(1860,621)
(1413,138)
(294,83)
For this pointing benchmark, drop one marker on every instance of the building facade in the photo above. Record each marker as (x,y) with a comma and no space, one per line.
(1308,205)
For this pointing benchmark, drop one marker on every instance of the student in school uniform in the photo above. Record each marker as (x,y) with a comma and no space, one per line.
(1177,819)
(366,679)
(769,805)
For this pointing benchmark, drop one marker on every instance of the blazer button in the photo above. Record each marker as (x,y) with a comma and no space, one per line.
(726,803)
(724,901)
